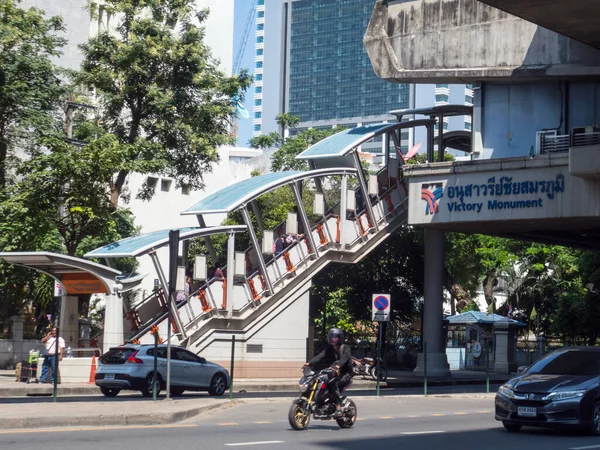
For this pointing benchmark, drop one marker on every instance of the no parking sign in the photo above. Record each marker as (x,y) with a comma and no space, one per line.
(381,308)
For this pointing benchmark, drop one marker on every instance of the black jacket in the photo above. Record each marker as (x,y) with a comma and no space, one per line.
(341,358)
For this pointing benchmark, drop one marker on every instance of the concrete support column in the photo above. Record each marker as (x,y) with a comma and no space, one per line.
(68,323)
(113,322)
(504,361)
(437,361)
(230,272)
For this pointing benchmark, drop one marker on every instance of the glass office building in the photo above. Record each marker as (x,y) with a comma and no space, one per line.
(330,75)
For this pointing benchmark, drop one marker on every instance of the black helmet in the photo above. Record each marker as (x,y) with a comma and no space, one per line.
(335,333)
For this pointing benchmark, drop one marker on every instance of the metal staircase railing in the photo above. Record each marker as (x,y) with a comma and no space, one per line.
(208,301)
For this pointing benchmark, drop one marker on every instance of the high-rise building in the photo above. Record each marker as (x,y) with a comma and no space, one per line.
(310,62)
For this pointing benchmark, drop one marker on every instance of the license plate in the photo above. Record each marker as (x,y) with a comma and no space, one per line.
(111,376)
(526,411)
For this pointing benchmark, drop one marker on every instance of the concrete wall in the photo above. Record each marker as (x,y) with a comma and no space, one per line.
(513,113)
(12,352)
(219,30)
(464,41)
(76,21)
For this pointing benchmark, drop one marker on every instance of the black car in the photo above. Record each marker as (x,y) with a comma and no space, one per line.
(560,389)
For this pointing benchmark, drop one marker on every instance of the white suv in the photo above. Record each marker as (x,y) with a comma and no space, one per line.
(132,366)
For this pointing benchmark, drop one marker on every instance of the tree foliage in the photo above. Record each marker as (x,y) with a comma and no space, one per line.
(31,88)
(161,93)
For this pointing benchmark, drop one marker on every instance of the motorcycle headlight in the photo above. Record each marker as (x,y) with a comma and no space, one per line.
(303,387)
(506,391)
(565,395)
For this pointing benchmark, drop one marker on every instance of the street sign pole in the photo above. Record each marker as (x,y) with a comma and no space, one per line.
(381,313)
(173,256)
(379,355)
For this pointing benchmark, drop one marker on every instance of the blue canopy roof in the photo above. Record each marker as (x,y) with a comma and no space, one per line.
(232,197)
(343,142)
(479,317)
(144,243)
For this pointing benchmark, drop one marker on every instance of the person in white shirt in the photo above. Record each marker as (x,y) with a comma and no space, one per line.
(50,342)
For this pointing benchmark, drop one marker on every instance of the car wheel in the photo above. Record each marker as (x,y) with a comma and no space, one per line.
(109,392)
(218,384)
(513,428)
(176,391)
(595,425)
(147,387)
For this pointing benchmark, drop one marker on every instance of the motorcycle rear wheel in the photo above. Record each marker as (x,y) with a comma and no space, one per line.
(382,374)
(349,417)
(298,416)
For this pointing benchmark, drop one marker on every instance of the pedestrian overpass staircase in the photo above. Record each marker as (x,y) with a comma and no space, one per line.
(340,236)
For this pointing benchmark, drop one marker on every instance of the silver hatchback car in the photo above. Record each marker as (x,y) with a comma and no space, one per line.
(131,367)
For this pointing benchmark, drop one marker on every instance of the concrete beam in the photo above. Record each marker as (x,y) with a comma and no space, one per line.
(577,20)
(458,41)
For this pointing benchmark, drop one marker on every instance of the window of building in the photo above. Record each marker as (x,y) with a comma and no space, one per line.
(441,98)
(261,2)
(468,126)
(257,115)
(258,90)
(258,102)
(260,39)
(260,26)
(260,14)
(185,189)
(468,99)
(259,64)
(152,182)
(165,185)
(258,77)
(257,127)
(259,52)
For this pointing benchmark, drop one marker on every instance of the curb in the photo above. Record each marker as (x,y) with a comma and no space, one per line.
(112,420)
(37,390)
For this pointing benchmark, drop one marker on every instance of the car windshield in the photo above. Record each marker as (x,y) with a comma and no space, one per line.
(117,355)
(573,362)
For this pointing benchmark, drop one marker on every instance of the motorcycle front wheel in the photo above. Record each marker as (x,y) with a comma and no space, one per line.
(349,417)
(299,416)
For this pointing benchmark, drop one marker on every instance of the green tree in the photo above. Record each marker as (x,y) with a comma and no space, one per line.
(64,190)
(161,94)
(31,88)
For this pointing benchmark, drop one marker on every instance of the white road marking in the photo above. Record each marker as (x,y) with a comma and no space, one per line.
(423,432)
(241,444)
(585,448)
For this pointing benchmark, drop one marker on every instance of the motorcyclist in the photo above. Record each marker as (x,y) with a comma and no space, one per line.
(339,357)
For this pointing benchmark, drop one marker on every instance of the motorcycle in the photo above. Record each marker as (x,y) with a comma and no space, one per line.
(316,400)
(366,366)
(362,366)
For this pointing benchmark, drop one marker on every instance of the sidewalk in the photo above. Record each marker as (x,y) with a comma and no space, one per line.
(396,379)
(121,411)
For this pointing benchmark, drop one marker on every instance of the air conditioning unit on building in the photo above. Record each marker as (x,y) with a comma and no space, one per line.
(585,130)
(583,136)
(539,139)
